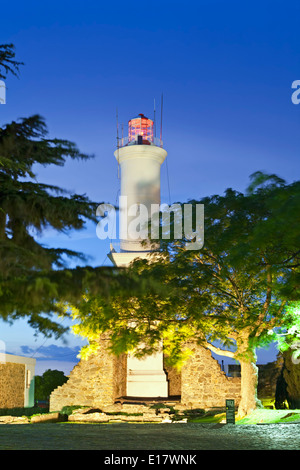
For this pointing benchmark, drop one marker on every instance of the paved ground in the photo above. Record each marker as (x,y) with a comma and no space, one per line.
(119,436)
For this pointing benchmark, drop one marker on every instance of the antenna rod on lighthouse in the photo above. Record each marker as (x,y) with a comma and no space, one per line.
(117,128)
(161,118)
(154,120)
(118,143)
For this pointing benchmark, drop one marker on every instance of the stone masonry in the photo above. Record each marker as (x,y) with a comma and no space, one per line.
(96,381)
(12,379)
(204,384)
(101,380)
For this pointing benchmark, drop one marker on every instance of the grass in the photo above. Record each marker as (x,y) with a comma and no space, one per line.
(23,411)
(208,418)
(259,416)
(68,410)
(265,416)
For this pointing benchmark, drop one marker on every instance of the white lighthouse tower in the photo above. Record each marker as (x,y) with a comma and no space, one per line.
(140,157)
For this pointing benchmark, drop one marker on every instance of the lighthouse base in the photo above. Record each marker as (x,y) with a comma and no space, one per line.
(146,377)
(147,385)
(126,258)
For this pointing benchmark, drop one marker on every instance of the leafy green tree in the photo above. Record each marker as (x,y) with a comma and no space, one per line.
(288,339)
(46,383)
(289,344)
(229,296)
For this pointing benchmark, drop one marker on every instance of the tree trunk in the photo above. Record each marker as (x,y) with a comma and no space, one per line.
(249,380)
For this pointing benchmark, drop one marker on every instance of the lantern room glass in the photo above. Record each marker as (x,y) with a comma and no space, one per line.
(140,126)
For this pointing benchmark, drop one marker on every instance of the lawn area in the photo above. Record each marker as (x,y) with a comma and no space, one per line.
(271,416)
(260,416)
(22,411)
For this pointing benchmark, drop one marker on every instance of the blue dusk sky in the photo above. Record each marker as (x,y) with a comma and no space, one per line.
(225,69)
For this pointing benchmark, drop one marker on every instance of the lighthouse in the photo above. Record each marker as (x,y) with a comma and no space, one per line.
(139,157)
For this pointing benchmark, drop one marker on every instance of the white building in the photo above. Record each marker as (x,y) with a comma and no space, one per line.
(16,381)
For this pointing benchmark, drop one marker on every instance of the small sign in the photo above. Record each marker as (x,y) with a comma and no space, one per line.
(230,412)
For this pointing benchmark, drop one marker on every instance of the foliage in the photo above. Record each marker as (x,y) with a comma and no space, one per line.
(68,410)
(36,279)
(291,375)
(289,338)
(22,411)
(46,383)
(30,272)
(8,64)
(234,290)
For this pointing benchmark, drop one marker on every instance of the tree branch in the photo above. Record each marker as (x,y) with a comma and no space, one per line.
(269,289)
(219,351)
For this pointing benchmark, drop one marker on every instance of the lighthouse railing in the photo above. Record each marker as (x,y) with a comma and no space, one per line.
(124,141)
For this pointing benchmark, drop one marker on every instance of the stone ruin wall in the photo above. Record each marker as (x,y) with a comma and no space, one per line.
(94,382)
(204,384)
(267,378)
(101,380)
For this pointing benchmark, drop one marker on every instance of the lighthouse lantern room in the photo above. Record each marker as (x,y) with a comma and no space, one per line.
(140,129)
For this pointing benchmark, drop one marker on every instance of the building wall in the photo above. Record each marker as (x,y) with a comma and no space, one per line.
(267,378)
(204,384)
(96,381)
(12,379)
(16,381)
(101,379)
(174,380)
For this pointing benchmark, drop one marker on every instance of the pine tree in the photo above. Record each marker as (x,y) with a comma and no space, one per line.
(8,64)
(33,276)
(35,280)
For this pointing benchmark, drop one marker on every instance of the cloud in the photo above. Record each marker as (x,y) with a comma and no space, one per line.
(52,352)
